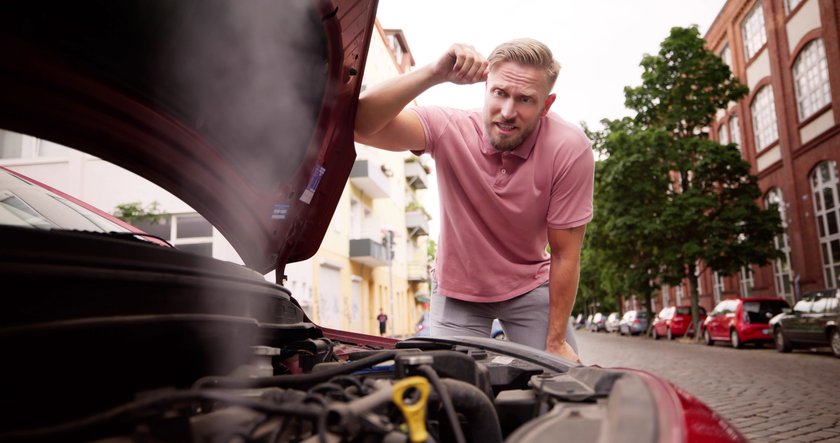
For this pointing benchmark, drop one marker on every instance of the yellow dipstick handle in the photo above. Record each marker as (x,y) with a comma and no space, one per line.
(415,412)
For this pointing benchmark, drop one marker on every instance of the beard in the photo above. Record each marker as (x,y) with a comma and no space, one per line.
(503,143)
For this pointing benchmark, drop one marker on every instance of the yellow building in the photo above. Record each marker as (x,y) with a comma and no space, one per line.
(351,277)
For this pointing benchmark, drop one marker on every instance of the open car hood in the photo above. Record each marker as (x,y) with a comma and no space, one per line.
(242,109)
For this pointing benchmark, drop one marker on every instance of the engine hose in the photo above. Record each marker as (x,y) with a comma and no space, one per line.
(297,381)
(482,423)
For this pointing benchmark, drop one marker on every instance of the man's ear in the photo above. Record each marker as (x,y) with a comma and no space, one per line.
(548,102)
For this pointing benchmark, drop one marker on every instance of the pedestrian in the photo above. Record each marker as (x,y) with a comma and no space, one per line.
(383,321)
(512,178)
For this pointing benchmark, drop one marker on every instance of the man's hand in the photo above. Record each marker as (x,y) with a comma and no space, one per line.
(462,65)
(562,349)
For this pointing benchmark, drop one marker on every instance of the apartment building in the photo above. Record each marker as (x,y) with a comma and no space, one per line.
(787,52)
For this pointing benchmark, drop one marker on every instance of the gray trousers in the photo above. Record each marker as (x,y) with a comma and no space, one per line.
(523,318)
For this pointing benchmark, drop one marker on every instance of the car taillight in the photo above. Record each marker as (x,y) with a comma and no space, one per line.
(637,321)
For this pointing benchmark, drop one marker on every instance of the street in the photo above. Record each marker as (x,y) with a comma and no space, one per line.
(767,395)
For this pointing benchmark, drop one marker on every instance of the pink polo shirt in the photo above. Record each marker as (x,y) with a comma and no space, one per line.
(496,207)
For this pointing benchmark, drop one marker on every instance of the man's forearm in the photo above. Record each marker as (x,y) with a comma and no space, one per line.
(563,284)
(379,105)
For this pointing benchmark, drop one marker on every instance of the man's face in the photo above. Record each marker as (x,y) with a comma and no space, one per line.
(515,99)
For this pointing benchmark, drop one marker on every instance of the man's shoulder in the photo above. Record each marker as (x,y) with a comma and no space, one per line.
(564,135)
(444,114)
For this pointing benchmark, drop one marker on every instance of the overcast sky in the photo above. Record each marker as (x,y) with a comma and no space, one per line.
(599,44)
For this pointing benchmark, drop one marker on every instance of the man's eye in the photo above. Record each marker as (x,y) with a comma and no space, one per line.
(527,99)
(498,93)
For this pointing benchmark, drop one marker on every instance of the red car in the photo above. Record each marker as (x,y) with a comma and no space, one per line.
(675,321)
(742,320)
(244,110)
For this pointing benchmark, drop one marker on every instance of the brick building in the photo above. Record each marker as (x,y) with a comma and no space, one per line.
(787,52)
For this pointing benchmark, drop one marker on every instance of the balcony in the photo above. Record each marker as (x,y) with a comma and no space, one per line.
(368,252)
(417,272)
(368,176)
(417,223)
(415,175)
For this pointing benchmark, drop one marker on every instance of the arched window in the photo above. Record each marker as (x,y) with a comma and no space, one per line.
(723,134)
(763,111)
(781,266)
(734,130)
(810,75)
(824,191)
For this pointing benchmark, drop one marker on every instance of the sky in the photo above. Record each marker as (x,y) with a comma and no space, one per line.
(599,44)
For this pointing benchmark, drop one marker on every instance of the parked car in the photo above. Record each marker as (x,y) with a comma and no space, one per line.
(612,322)
(813,322)
(243,110)
(599,321)
(633,322)
(742,320)
(675,321)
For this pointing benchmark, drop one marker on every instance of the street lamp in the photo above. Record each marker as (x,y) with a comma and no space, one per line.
(388,241)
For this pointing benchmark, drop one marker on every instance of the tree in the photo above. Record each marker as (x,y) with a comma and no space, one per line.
(672,198)
(134,212)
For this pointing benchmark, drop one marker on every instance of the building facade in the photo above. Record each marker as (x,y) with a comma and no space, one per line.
(787,53)
(350,278)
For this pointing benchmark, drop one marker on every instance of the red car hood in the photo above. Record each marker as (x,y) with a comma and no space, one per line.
(243,109)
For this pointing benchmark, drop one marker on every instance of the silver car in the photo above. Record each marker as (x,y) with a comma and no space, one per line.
(633,323)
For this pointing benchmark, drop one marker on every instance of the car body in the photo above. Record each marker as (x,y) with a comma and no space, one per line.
(612,322)
(599,322)
(675,321)
(243,110)
(633,322)
(813,322)
(742,320)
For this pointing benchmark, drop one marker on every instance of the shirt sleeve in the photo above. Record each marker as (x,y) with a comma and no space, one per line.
(435,121)
(572,190)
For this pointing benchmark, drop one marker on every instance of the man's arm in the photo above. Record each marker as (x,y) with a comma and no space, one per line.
(563,283)
(381,118)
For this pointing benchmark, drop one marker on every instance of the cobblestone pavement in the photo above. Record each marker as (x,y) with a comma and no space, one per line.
(767,395)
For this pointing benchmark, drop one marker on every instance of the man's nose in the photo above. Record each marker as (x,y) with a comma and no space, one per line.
(508,110)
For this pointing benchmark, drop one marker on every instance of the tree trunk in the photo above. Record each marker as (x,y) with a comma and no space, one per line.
(695,300)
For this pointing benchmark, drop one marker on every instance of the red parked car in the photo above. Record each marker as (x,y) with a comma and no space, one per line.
(742,320)
(675,321)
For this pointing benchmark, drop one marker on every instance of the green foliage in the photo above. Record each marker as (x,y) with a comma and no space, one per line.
(667,197)
(134,212)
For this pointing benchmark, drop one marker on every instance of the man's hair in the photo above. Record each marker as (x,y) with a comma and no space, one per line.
(528,52)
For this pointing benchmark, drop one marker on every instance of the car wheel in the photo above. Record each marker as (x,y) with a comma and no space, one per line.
(708,338)
(655,334)
(782,345)
(735,340)
(835,342)
(669,334)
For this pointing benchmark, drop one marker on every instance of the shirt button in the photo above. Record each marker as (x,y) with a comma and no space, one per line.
(504,171)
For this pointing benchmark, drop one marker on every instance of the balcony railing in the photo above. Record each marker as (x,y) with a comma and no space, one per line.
(415,175)
(417,272)
(369,177)
(368,252)
(417,223)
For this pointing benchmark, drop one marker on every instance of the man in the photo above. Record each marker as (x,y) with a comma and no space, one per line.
(512,178)
(383,321)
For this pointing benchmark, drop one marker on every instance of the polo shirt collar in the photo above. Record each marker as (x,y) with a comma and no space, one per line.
(522,151)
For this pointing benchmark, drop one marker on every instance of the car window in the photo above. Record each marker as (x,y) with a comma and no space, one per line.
(803,306)
(641,314)
(819,305)
(762,311)
(701,310)
(684,311)
(833,305)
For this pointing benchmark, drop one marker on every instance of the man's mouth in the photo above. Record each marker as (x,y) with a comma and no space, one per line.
(505,128)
